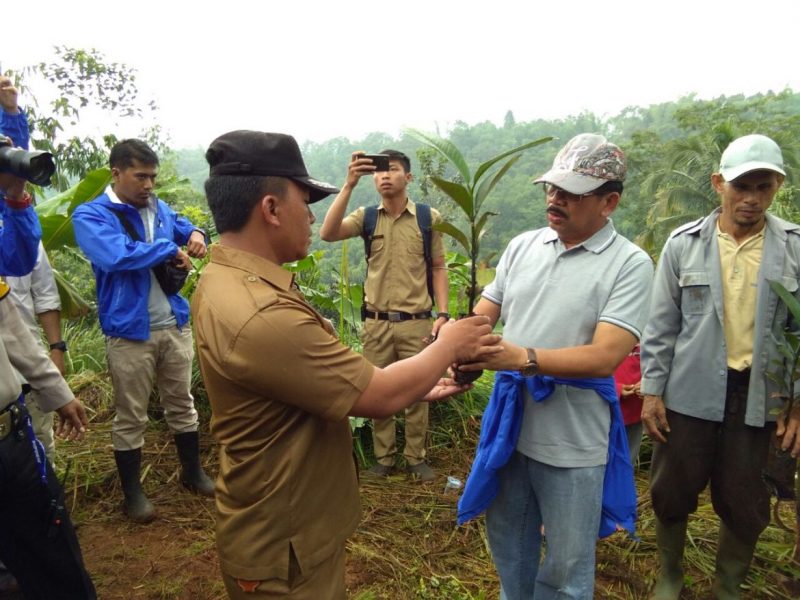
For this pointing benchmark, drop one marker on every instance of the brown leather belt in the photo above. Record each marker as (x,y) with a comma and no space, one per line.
(395,317)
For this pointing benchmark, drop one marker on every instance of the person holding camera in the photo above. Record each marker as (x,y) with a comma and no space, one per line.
(406,274)
(35,293)
(20,233)
(37,539)
(133,240)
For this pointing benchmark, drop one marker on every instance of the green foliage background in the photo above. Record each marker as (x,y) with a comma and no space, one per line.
(672,149)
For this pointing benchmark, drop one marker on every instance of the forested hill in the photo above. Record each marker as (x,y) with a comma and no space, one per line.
(672,149)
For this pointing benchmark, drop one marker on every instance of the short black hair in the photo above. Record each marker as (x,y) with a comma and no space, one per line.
(231,198)
(398,156)
(125,152)
(609,187)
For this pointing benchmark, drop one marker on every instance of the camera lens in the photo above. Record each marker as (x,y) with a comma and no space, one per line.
(36,167)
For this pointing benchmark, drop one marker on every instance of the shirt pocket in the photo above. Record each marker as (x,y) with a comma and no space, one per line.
(414,244)
(376,247)
(695,293)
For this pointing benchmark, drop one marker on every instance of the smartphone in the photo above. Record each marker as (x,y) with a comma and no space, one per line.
(381,161)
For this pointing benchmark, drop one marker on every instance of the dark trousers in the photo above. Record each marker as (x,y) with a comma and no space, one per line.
(730,454)
(42,554)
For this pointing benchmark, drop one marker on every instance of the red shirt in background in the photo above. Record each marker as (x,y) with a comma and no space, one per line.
(629,372)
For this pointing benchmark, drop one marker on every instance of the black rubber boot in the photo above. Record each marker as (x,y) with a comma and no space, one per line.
(192,475)
(670,540)
(733,562)
(138,508)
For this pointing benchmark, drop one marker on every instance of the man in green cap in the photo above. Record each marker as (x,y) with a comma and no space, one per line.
(709,404)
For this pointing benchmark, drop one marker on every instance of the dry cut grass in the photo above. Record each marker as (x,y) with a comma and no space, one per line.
(407,547)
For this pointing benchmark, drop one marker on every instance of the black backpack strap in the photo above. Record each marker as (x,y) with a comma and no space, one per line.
(368,229)
(367,232)
(425,224)
(127,225)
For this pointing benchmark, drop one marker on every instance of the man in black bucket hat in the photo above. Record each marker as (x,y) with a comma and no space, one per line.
(280,383)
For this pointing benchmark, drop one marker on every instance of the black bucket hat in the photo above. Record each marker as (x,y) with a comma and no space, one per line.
(246,152)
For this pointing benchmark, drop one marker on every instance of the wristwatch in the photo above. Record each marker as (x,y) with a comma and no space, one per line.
(530,368)
(62,345)
(446,315)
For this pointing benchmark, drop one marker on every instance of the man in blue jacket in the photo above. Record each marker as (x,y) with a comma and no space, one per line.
(147,332)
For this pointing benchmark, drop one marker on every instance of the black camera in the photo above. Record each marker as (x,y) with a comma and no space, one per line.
(36,167)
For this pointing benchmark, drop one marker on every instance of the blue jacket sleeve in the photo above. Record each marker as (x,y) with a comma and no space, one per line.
(15,127)
(110,248)
(19,240)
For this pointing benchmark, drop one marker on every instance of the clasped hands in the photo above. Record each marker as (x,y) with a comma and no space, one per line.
(195,248)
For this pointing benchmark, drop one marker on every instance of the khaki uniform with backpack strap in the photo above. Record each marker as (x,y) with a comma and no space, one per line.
(398,300)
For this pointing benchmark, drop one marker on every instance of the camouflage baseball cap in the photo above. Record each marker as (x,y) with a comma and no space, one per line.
(585,163)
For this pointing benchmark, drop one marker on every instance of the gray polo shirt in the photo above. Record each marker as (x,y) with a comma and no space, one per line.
(554,297)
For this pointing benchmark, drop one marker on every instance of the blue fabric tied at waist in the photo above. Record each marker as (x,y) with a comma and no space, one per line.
(500,429)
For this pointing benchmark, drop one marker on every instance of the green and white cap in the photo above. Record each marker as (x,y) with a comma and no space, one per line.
(750,153)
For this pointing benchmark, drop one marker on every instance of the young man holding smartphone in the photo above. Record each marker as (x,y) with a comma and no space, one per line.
(398,305)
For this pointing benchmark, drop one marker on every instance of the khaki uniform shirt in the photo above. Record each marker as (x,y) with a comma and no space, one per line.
(397,276)
(280,386)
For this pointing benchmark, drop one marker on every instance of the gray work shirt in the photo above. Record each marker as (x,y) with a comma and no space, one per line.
(684,355)
(554,297)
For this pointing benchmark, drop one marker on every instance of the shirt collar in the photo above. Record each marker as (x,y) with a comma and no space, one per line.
(112,195)
(253,264)
(601,239)
(410,207)
(755,236)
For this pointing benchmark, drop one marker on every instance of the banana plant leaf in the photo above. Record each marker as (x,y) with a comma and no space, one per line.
(73,305)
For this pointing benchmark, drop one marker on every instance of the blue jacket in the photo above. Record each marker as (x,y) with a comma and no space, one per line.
(15,127)
(19,240)
(500,428)
(122,266)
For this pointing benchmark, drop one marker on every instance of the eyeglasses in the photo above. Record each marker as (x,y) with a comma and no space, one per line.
(552,192)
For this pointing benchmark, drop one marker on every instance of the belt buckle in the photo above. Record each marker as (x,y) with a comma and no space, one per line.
(394,317)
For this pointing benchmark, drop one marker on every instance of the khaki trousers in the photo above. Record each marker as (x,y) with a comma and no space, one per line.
(385,343)
(324,582)
(166,359)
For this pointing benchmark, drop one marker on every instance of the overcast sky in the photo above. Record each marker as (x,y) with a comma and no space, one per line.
(321,69)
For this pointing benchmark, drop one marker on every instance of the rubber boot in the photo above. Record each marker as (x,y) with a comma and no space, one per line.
(670,540)
(192,475)
(138,508)
(733,562)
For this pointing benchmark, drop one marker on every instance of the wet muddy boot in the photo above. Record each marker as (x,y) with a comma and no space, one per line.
(192,475)
(733,562)
(138,508)
(670,540)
